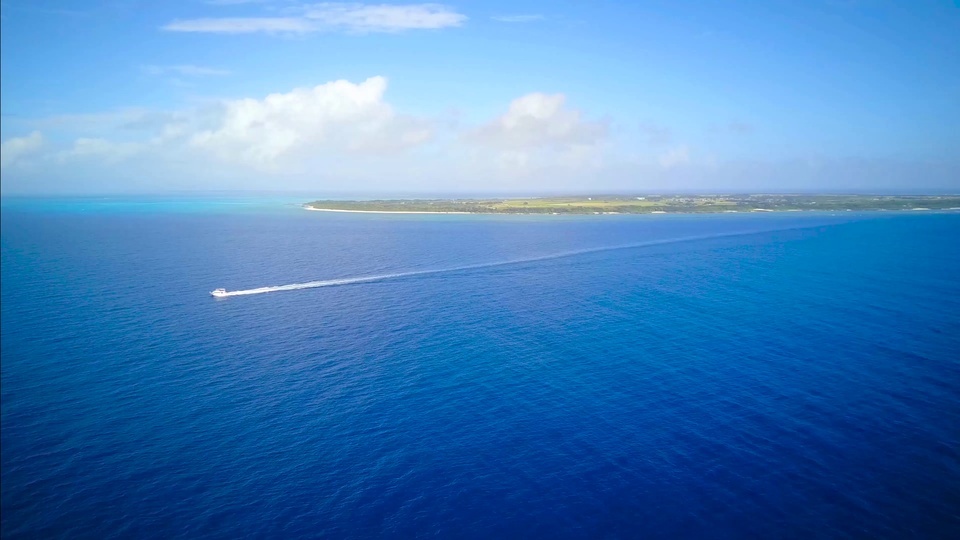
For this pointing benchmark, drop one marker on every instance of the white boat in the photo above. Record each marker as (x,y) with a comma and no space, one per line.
(219,293)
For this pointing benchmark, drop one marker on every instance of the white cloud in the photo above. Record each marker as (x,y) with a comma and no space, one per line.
(518,18)
(332,123)
(242,25)
(383,17)
(332,17)
(340,133)
(674,157)
(539,121)
(14,149)
(538,135)
(186,70)
(339,115)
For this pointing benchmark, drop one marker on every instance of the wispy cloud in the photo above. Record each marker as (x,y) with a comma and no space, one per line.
(14,149)
(533,17)
(740,127)
(101,149)
(735,127)
(383,17)
(235,2)
(90,122)
(242,25)
(186,70)
(656,134)
(675,157)
(331,17)
(31,7)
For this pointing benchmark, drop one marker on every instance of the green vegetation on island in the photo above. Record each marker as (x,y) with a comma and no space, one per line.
(649,204)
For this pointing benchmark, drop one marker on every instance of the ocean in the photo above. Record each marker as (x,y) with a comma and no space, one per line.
(783,375)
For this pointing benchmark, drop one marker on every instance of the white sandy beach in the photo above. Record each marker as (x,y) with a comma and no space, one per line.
(378,211)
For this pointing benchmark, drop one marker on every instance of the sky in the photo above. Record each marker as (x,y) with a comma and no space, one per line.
(520,97)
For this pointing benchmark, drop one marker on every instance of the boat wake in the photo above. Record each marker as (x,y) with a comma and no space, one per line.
(382,277)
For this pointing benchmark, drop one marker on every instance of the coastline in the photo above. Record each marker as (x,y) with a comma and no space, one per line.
(658,212)
(305,207)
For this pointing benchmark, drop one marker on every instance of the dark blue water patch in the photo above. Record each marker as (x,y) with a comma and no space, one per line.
(797,381)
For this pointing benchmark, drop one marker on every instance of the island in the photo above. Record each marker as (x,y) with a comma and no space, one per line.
(647,204)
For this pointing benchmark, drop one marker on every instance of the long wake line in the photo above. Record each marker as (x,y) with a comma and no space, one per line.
(561,255)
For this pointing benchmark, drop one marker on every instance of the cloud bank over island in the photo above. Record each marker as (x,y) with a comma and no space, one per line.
(338,126)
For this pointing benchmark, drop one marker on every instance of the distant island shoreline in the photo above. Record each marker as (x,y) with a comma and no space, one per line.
(308,207)
(653,204)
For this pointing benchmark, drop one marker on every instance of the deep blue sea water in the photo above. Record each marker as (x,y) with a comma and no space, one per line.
(728,376)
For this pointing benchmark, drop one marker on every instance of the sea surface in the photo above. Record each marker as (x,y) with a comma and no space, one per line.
(786,375)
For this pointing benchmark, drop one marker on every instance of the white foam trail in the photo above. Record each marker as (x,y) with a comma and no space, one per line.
(316,284)
(382,277)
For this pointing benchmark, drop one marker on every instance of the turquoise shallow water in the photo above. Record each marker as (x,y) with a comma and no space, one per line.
(730,376)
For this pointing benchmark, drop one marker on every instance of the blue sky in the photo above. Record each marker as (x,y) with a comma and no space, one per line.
(533,97)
